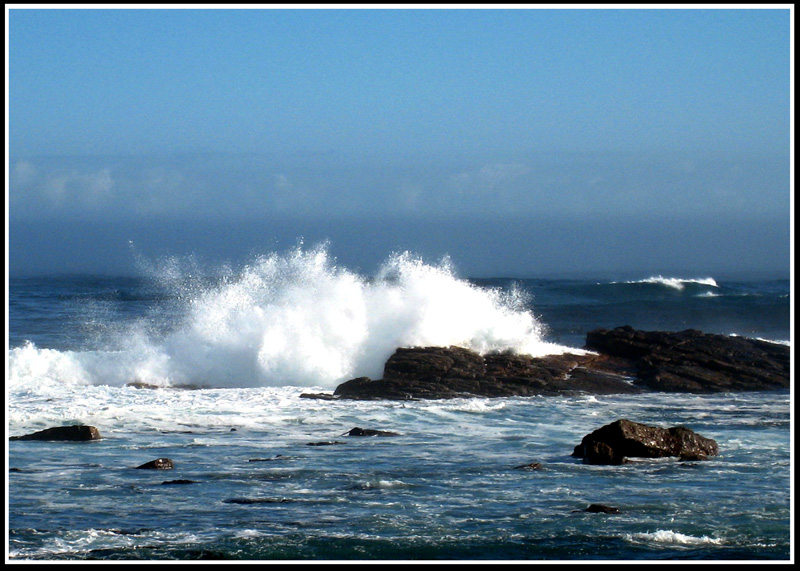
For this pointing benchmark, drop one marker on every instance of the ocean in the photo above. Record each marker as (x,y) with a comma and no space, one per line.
(207,369)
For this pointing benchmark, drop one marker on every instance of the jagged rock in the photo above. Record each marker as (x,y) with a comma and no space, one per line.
(452,372)
(434,363)
(624,360)
(157,464)
(697,362)
(74,433)
(615,442)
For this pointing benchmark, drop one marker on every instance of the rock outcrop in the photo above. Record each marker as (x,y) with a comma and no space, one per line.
(622,439)
(622,360)
(74,433)
(451,372)
(693,361)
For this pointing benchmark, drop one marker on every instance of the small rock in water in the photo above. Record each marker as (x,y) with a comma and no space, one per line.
(369,432)
(326,443)
(613,443)
(257,501)
(531,466)
(157,464)
(320,396)
(601,508)
(170,482)
(74,433)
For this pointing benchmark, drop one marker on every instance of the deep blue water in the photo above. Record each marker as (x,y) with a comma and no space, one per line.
(447,488)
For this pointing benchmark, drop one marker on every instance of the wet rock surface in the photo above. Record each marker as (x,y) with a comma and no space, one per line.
(616,442)
(157,464)
(623,361)
(369,432)
(693,361)
(74,433)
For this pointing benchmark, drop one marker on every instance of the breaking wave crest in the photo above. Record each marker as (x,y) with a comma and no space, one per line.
(295,319)
(675,283)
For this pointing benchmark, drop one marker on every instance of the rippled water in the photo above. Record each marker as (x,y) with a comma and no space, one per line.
(448,487)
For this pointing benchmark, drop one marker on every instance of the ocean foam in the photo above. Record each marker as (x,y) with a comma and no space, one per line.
(673,537)
(675,283)
(296,319)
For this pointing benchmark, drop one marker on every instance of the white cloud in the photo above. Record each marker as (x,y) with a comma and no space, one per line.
(488,178)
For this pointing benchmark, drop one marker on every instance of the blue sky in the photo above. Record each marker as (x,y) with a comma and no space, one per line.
(670,117)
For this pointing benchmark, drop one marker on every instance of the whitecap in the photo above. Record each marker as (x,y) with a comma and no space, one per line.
(675,283)
(667,536)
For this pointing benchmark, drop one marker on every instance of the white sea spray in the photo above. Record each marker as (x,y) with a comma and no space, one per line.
(295,319)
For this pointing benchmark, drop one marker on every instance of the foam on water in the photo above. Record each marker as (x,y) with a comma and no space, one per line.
(296,319)
(675,283)
(674,537)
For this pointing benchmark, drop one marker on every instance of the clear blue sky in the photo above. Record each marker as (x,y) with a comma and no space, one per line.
(243,113)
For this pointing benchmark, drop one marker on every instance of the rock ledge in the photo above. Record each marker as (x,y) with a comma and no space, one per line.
(622,361)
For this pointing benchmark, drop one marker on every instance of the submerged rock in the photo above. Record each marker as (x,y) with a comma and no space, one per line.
(257,501)
(531,466)
(369,432)
(615,442)
(601,509)
(74,433)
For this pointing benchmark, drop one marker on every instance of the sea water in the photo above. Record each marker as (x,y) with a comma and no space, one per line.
(207,369)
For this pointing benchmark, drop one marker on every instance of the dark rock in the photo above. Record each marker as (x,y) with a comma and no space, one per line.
(157,464)
(75,433)
(624,360)
(601,508)
(452,372)
(531,466)
(613,443)
(257,501)
(325,443)
(177,482)
(369,432)
(319,396)
(434,363)
(693,361)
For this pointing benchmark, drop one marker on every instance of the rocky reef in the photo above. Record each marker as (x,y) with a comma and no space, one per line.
(621,360)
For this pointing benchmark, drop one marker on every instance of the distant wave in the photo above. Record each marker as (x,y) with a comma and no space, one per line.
(675,283)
